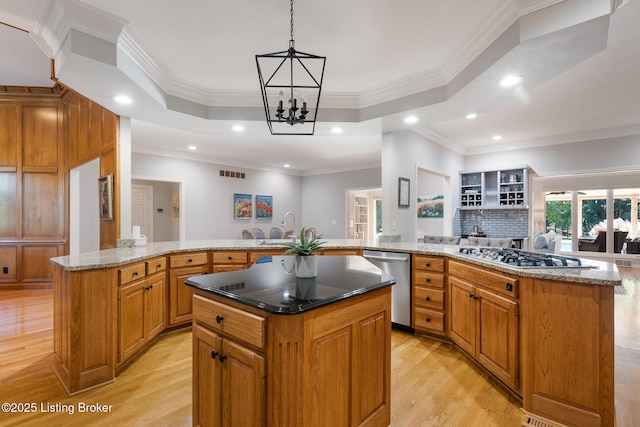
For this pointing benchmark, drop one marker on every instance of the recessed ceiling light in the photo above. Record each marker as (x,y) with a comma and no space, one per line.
(122,99)
(411,119)
(238,128)
(471,116)
(496,137)
(336,129)
(287,165)
(192,147)
(511,80)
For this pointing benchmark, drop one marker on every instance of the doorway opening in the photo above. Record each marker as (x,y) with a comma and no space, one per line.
(156,206)
(364,213)
(84,218)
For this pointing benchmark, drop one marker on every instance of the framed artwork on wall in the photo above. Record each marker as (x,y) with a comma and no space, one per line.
(403,192)
(105,196)
(242,207)
(431,206)
(264,207)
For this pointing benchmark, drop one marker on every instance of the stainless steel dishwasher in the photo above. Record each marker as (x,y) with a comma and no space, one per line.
(398,266)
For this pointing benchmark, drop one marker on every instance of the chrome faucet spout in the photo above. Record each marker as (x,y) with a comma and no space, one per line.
(293,235)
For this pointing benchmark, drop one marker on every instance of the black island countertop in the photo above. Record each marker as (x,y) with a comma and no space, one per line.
(271,284)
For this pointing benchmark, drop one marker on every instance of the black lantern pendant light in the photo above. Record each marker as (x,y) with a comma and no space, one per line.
(291,82)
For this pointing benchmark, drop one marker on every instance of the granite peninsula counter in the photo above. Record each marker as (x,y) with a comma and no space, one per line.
(544,333)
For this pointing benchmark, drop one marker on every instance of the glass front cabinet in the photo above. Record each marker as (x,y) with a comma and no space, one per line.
(507,188)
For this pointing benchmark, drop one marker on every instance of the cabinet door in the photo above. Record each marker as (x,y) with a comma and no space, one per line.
(156,305)
(243,386)
(498,336)
(462,314)
(131,333)
(180,305)
(207,378)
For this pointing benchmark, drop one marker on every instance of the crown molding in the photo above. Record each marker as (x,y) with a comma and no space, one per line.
(526,7)
(438,139)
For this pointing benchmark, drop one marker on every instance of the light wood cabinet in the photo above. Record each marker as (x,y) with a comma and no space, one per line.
(483,322)
(229,381)
(142,309)
(429,294)
(329,365)
(181,267)
(229,261)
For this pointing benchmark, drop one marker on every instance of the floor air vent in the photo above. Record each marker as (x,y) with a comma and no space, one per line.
(536,421)
(624,263)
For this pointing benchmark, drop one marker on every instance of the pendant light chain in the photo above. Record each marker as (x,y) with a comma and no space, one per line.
(291,42)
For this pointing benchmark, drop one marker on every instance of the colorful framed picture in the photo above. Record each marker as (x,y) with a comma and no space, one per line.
(431,206)
(105,196)
(242,208)
(264,207)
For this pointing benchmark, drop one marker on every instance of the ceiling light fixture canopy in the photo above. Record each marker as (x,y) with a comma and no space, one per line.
(292,81)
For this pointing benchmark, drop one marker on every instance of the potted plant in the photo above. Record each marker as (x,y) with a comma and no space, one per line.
(304,248)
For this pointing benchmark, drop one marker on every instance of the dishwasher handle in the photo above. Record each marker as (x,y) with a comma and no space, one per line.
(388,259)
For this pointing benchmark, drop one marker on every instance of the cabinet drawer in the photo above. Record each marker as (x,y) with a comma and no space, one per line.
(155,265)
(427,297)
(427,278)
(131,272)
(422,262)
(196,258)
(502,284)
(235,257)
(429,319)
(236,323)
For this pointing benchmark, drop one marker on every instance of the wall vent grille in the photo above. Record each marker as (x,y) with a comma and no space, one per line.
(231,174)
(624,263)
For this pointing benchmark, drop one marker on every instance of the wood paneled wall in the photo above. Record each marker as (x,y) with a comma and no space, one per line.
(45,132)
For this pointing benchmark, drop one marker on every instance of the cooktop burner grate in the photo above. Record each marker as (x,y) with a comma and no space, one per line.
(520,258)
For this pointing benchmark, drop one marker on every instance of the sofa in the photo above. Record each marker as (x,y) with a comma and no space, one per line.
(549,242)
(599,244)
(442,240)
(490,242)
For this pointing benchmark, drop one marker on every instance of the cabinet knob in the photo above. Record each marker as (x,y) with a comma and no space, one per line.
(471,295)
(428,298)
(428,264)
(428,279)
(190,260)
(150,286)
(229,258)
(159,265)
(222,358)
(135,273)
(428,319)
(214,354)
(219,319)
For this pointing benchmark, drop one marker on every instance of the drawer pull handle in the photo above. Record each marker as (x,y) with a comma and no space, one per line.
(428,319)
(214,354)
(222,358)
(428,298)
(219,319)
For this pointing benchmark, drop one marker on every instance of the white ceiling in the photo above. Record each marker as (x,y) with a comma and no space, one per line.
(190,68)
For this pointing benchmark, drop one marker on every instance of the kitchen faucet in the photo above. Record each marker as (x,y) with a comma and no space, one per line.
(293,236)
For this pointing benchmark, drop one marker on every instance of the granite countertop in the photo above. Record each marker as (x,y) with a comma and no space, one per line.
(271,284)
(605,274)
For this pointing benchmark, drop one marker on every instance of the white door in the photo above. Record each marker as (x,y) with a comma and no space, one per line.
(142,209)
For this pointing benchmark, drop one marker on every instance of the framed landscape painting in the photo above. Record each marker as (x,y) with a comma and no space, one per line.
(264,207)
(242,208)
(431,206)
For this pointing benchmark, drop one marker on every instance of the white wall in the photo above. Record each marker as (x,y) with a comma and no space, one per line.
(325,197)
(402,153)
(207,199)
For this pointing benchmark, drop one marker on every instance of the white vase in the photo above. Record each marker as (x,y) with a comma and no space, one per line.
(306,266)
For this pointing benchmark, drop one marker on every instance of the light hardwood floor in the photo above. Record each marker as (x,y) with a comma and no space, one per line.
(433,383)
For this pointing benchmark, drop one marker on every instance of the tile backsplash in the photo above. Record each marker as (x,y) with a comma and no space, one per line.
(494,222)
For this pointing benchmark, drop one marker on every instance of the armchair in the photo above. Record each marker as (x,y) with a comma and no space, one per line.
(599,244)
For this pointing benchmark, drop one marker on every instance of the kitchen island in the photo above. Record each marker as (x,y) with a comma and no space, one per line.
(273,349)
(546,334)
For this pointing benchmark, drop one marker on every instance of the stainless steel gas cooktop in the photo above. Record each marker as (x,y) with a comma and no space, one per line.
(523,259)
